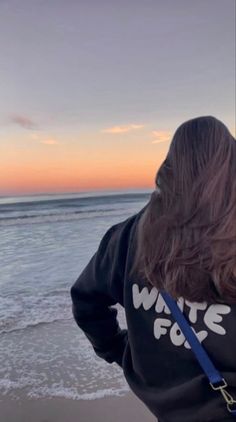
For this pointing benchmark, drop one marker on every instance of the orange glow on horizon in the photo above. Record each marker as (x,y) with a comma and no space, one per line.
(30,167)
(30,180)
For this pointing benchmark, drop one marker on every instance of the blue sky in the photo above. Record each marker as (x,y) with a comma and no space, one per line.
(71,69)
(88,63)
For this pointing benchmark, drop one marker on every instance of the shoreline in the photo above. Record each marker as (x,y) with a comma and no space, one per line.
(109,409)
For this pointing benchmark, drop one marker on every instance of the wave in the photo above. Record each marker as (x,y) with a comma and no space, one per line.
(79,199)
(60,217)
(72,393)
(34,324)
(63,209)
(58,390)
(18,313)
(48,214)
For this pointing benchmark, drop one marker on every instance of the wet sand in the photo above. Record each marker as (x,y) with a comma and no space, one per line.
(109,409)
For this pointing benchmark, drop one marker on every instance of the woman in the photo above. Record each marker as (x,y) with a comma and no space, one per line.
(184,242)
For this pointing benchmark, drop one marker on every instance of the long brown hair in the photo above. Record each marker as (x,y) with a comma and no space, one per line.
(186,237)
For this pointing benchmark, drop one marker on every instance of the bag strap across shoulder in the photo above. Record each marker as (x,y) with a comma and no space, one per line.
(216,381)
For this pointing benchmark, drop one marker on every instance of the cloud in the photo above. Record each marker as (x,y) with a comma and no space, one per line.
(49,142)
(122,129)
(41,140)
(22,121)
(161,136)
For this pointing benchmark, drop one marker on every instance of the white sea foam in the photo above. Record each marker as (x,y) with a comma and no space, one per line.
(57,390)
(72,393)
(56,360)
(7,385)
(42,350)
(20,313)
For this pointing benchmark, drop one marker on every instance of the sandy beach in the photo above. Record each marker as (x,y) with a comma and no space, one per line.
(110,409)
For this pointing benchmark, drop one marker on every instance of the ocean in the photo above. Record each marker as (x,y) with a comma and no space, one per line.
(46,241)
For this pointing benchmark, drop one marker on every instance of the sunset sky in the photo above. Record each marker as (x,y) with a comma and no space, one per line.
(92,91)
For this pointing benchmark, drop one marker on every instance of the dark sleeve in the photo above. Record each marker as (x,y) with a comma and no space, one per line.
(98,287)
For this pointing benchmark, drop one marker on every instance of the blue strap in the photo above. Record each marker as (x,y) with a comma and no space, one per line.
(211,372)
(208,367)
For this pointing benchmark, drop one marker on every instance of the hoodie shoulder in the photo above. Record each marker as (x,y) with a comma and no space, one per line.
(117,241)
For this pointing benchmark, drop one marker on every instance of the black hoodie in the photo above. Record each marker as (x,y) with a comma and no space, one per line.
(157,362)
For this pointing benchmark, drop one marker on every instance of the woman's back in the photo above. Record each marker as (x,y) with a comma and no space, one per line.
(186,245)
(183,242)
(158,363)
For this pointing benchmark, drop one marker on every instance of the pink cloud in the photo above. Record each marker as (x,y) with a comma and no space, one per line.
(22,121)
(49,142)
(122,129)
(160,136)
